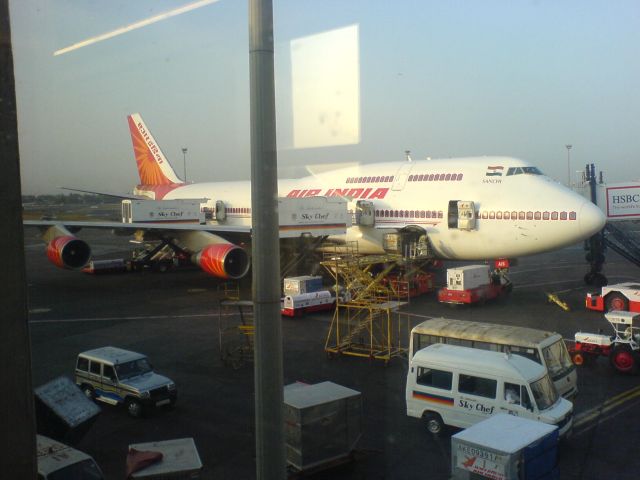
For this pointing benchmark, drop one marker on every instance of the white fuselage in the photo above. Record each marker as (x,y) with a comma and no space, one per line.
(519,211)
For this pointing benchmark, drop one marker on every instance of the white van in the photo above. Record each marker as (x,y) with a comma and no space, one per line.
(460,386)
(57,461)
(541,346)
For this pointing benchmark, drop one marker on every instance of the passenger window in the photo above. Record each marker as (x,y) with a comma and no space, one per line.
(95,368)
(512,393)
(434,378)
(83,364)
(109,372)
(482,387)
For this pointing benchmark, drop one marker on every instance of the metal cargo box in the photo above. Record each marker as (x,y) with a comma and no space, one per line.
(180,460)
(467,278)
(303,284)
(505,447)
(323,423)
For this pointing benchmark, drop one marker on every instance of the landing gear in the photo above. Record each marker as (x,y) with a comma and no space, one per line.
(595,256)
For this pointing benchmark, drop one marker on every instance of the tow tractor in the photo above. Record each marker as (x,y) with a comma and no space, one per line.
(621,296)
(622,348)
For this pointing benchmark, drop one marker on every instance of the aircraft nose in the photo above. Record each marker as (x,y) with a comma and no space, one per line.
(590,220)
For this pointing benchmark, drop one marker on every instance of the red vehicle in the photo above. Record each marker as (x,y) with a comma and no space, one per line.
(416,285)
(621,296)
(622,348)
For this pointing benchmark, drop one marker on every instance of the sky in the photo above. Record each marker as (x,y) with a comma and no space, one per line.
(439,78)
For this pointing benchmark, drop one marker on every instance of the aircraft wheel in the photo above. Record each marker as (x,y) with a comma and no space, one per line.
(599,280)
(617,301)
(588,278)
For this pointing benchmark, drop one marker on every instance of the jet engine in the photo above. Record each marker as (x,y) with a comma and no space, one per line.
(65,250)
(214,254)
(223,260)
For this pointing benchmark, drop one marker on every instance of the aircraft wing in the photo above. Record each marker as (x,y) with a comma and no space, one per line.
(158,226)
(108,194)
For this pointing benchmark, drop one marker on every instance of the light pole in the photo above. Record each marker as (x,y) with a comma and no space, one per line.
(184,163)
(568,165)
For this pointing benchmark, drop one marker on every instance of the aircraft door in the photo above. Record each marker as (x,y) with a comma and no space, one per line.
(365,213)
(401,176)
(461,215)
(221,211)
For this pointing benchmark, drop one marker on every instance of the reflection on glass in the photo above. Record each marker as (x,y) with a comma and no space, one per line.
(325,78)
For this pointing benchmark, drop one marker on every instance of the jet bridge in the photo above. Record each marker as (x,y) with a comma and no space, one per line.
(620,202)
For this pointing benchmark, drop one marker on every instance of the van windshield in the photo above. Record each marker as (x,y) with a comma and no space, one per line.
(557,359)
(86,470)
(133,368)
(544,392)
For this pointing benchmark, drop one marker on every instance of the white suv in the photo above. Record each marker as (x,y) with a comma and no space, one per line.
(113,375)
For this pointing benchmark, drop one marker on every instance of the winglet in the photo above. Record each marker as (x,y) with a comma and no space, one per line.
(153,166)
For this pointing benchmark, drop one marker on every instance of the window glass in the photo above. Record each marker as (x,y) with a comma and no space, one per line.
(95,368)
(557,359)
(109,372)
(512,393)
(544,393)
(83,364)
(434,378)
(481,387)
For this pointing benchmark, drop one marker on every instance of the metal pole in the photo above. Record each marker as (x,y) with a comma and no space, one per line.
(16,403)
(184,163)
(270,453)
(568,165)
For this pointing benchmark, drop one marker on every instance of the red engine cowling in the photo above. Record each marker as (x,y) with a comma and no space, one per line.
(223,260)
(67,251)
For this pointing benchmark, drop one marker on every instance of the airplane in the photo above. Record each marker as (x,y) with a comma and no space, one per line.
(476,208)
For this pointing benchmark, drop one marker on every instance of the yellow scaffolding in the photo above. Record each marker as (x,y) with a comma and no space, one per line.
(236,332)
(367,321)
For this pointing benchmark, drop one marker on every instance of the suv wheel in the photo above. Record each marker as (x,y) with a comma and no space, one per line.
(134,407)
(88,392)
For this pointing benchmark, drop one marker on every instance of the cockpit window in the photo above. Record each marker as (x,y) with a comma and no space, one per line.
(521,170)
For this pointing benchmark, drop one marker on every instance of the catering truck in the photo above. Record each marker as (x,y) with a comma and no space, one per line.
(460,386)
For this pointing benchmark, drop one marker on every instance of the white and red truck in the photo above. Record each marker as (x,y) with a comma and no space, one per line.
(472,284)
(621,296)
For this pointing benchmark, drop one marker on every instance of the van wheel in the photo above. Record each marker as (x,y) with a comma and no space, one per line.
(134,408)
(88,392)
(434,423)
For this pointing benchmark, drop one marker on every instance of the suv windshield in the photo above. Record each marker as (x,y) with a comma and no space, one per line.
(557,359)
(544,392)
(133,368)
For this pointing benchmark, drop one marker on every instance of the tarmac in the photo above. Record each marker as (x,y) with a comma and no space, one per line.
(173,318)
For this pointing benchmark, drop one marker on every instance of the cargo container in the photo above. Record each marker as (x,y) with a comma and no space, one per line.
(468,277)
(163,211)
(179,460)
(505,447)
(303,284)
(323,423)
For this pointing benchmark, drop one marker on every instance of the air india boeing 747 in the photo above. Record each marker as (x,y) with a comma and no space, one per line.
(479,208)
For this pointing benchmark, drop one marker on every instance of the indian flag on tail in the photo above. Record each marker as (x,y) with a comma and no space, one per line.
(494,171)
